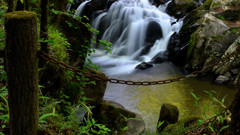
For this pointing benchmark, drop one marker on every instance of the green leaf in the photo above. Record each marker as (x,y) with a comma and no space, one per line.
(224,127)
(125,128)
(47,115)
(21,1)
(160,124)
(195,96)
(212,130)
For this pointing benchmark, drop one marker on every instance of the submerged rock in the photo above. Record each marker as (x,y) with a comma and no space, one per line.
(169,114)
(144,65)
(222,79)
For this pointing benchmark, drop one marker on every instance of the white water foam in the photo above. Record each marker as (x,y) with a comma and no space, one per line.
(125,25)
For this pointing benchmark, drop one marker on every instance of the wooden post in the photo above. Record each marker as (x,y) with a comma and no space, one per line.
(22,72)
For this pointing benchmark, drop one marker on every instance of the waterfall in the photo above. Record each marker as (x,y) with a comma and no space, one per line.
(80,9)
(137,30)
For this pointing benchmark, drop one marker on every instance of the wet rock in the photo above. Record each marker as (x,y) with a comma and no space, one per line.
(231,63)
(169,114)
(179,8)
(230,15)
(144,65)
(75,35)
(159,2)
(179,42)
(95,91)
(227,74)
(115,117)
(210,41)
(185,123)
(222,79)
(234,71)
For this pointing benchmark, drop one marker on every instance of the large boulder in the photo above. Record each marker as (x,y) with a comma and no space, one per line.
(178,43)
(185,123)
(210,41)
(118,119)
(76,33)
(93,90)
(169,114)
(180,8)
(232,63)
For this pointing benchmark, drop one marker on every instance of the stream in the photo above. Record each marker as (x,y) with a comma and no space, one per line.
(139,32)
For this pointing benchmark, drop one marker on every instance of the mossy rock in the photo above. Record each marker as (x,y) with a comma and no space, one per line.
(74,91)
(119,120)
(92,90)
(169,114)
(206,5)
(179,8)
(182,126)
(53,79)
(229,15)
(96,90)
(78,36)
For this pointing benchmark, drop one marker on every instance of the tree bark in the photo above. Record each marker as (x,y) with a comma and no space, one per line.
(44,29)
(26,4)
(11,5)
(235,123)
(22,72)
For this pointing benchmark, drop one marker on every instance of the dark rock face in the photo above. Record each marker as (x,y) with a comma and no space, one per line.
(159,2)
(144,65)
(230,15)
(96,92)
(178,43)
(169,114)
(154,32)
(75,35)
(180,8)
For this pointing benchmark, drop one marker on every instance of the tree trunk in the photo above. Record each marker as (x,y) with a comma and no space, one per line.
(11,5)
(26,4)
(44,29)
(22,72)
(235,123)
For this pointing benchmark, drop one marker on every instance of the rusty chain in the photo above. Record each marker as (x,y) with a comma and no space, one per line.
(127,82)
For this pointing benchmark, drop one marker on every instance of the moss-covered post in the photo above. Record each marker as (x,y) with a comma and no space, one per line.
(235,123)
(22,72)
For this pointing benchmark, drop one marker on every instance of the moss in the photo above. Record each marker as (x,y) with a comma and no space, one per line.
(235,30)
(182,126)
(206,5)
(217,37)
(21,15)
(192,42)
(215,4)
(75,91)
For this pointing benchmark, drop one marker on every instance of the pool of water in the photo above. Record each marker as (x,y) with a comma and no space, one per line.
(147,100)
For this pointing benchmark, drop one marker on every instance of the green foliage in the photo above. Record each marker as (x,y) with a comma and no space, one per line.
(192,43)
(160,123)
(196,99)
(59,45)
(3,9)
(219,124)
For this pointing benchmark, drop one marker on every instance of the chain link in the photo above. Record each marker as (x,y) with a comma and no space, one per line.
(127,82)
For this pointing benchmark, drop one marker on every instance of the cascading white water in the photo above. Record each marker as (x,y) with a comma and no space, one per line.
(137,30)
(80,9)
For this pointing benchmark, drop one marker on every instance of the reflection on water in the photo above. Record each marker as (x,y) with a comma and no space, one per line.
(147,100)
